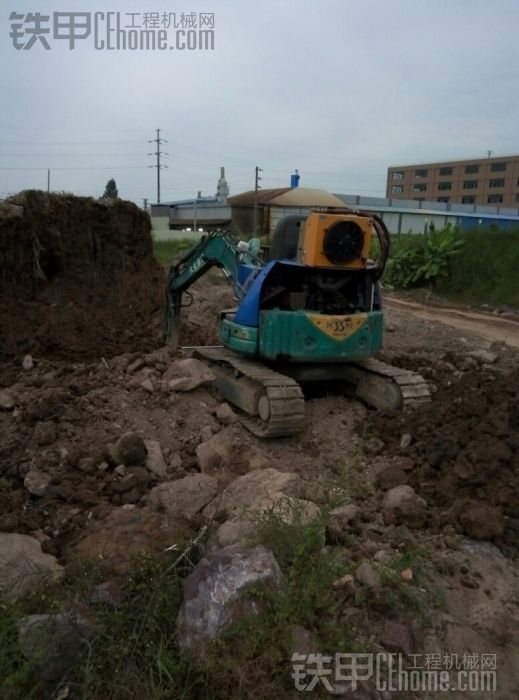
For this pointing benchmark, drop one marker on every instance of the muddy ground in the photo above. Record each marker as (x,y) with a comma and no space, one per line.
(460,453)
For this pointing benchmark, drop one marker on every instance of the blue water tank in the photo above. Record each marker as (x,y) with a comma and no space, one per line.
(294,179)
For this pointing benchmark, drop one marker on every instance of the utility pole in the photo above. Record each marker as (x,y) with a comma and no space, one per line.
(257,179)
(145,204)
(489,153)
(48,180)
(158,153)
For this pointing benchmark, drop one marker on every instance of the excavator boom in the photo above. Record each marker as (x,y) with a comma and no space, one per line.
(217,249)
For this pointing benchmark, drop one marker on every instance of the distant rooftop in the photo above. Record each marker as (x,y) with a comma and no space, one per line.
(288,197)
(461,161)
(424,207)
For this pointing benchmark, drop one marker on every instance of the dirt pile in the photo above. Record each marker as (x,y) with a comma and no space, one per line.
(463,455)
(201,316)
(77,277)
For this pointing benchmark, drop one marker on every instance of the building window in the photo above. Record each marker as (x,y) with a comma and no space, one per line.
(497,183)
(517,197)
(498,167)
(445,185)
(443,199)
(419,188)
(445,171)
(398,175)
(470,184)
(468,199)
(494,198)
(420,173)
(471,169)
(397,189)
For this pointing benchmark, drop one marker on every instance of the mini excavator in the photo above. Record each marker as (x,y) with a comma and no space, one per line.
(309,310)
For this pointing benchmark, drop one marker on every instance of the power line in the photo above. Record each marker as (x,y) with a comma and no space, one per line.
(69,143)
(70,155)
(115,167)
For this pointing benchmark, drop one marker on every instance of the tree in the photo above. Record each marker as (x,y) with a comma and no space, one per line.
(111,190)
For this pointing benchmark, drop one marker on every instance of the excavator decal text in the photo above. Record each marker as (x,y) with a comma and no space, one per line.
(197,265)
(338,327)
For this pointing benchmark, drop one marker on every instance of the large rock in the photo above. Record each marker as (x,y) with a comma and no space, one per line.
(37,482)
(154,459)
(6,400)
(481,521)
(225,414)
(340,522)
(130,450)
(369,577)
(185,497)
(397,638)
(240,531)
(215,593)
(402,506)
(224,455)
(484,357)
(23,565)
(186,375)
(250,488)
(124,534)
(52,644)
(286,509)
(245,529)
(27,363)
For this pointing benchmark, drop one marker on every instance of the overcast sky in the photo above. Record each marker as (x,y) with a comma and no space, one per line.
(339,89)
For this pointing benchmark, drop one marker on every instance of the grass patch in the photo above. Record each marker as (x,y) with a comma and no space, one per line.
(403,599)
(486,270)
(346,481)
(483,272)
(15,673)
(166,251)
(133,652)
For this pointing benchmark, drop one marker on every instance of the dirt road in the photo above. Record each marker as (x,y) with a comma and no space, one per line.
(491,327)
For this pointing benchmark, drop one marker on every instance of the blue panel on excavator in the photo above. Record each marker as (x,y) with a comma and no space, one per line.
(244,272)
(249,309)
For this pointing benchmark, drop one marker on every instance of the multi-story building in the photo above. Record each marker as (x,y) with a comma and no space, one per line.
(487,181)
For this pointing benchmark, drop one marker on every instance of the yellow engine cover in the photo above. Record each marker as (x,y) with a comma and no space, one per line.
(335,240)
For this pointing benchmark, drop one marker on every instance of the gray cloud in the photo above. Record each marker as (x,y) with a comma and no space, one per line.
(338,89)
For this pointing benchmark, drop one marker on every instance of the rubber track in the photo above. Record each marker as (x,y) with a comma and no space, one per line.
(415,390)
(287,403)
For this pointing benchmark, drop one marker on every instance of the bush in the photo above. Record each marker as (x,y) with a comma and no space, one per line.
(418,261)
(487,270)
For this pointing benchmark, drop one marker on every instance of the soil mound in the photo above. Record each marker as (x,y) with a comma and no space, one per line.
(465,446)
(77,277)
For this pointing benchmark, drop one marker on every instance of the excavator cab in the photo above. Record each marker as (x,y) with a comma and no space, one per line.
(317,298)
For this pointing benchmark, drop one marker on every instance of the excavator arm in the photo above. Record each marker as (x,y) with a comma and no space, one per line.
(218,249)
